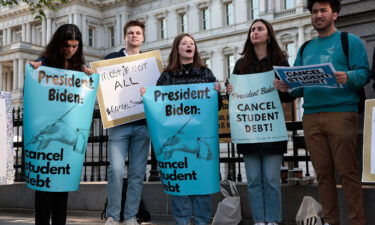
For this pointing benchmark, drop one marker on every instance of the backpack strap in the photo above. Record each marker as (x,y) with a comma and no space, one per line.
(302,48)
(345,45)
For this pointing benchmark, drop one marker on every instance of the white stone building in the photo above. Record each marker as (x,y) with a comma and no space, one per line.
(219,26)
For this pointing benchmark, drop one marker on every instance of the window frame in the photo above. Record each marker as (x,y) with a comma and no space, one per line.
(229,16)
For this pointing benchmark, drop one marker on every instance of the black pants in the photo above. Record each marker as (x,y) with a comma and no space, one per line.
(50,204)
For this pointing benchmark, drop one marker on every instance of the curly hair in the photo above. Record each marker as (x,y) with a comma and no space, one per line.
(335,4)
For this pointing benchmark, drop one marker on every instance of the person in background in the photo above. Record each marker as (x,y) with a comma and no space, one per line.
(262,160)
(64,51)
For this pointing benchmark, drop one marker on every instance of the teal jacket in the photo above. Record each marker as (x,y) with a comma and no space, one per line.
(329,50)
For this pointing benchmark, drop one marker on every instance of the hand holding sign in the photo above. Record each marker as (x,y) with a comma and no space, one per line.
(280,85)
(321,75)
(341,77)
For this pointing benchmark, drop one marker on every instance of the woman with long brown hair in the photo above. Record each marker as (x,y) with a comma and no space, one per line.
(64,51)
(186,67)
(262,160)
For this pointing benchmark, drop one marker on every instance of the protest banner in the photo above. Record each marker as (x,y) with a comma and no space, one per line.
(321,75)
(183,124)
(58,108)
(368,171)
(255,111)
(120,81)
(6,139)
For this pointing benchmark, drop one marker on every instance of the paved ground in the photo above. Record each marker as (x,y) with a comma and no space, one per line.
(26,217)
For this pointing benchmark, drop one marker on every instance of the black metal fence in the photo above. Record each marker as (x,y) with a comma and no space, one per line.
(96,163)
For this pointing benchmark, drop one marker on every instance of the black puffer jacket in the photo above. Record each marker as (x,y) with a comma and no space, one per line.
(189,75)
(267,147)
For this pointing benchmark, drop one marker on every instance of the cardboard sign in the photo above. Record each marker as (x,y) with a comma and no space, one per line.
(121,78)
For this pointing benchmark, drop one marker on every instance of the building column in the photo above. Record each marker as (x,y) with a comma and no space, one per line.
(98,37)
(124,17)
(262,7)
(271,5)
(44,32)
(118,30)
(76,19)
(84,29)
(8,81)
(9,36)
(23,38)
(1,78)
(48,29)
(15,73)
(4,37)
(28,32)
(299,6)
(301,35)
(20,73)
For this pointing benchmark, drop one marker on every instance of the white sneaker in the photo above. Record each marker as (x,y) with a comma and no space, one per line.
(259,223)
(132,221)
(110,221)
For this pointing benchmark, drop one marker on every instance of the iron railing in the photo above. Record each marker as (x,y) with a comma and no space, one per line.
(96,163)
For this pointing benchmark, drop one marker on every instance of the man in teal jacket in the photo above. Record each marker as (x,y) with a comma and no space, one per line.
(330,120)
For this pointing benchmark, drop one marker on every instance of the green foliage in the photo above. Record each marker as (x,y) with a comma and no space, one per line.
(37,6)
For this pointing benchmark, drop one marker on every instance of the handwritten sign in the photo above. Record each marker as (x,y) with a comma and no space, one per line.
(182,121)
(6,139)
(119,96)
(321,75)
(58,112)
(255,111)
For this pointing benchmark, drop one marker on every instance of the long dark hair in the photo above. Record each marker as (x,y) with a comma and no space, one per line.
(274,51)
(54,52)
(174,63)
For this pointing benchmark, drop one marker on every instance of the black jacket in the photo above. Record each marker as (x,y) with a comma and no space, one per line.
(278,147)
(193,75)
(117,55)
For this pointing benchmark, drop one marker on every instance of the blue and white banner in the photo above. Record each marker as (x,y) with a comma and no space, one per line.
(6,139)
(255,111)
(183,123)
(58,112)
(321,75)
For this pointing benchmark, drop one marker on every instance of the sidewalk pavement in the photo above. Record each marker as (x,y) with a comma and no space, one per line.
(26,217)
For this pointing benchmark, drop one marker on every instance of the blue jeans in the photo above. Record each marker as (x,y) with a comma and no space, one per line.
(263,186)
(185,206)
(123,140)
